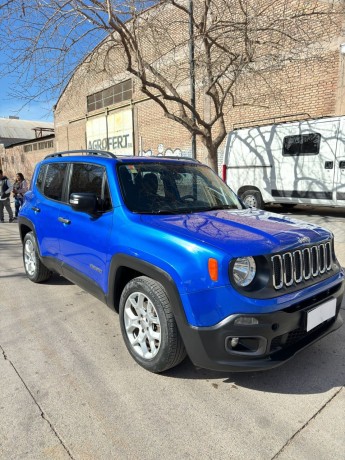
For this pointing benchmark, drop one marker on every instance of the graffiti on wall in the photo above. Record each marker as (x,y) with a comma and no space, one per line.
(161,151)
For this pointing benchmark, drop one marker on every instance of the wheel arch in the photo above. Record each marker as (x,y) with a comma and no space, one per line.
(245,188)
(25,226)
(124,268)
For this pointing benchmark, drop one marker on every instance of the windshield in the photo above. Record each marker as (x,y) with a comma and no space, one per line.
(168,188)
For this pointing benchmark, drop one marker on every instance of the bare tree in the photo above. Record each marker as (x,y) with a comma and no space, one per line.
(167,44)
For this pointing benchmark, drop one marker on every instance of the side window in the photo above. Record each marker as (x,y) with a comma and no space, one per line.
(91,178)
(302,144)
(54,179)
(106,200)
(40,178)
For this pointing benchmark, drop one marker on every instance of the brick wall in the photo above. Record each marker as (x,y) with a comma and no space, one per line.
(15,159)
(311,86)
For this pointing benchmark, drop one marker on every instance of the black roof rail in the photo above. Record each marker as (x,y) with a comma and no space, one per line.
(174,157)
(101,153)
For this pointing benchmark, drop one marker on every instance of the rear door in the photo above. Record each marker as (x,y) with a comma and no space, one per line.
(44,207)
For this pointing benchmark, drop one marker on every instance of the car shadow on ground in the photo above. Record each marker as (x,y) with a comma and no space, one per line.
(317,369)
(322,211)
(58,280)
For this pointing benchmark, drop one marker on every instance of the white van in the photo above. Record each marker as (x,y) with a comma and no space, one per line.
(290,163)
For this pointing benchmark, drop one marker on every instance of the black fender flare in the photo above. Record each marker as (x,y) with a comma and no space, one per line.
(24,221)
(121,260)
(193,342)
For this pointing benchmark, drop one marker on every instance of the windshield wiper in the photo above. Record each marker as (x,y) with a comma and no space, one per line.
(166,211)
(220,207)
(187,210)
(158,211)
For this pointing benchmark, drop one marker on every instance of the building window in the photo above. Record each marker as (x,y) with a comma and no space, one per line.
(115,94)
(302,144)
(39,146)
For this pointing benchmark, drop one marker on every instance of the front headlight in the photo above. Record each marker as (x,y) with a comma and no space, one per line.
(244,270)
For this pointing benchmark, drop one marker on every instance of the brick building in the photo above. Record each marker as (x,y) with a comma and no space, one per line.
(103,107)
(23,143)
(23,156)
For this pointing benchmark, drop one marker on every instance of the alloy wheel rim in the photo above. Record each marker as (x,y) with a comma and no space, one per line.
(251,201)
(29,258)
(142,325)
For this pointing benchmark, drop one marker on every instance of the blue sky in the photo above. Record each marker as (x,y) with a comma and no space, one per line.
(10,105)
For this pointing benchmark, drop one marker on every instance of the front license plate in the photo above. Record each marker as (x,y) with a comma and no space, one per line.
(321,313)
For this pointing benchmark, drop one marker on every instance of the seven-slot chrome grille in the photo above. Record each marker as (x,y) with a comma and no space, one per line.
(301,265)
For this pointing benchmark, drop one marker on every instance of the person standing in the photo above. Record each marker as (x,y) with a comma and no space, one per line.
(5,193)
(20,187)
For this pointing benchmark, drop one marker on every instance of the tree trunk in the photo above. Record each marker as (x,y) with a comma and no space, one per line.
(212,157)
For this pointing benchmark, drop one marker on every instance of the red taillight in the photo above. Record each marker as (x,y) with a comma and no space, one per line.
(224,173)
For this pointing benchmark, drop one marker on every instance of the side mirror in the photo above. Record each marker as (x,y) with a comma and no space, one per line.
(83,202)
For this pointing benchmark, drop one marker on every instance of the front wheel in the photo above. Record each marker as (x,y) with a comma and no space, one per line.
(34,268)
(148,326)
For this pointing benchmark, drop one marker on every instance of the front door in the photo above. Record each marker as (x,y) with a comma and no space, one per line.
(84,238)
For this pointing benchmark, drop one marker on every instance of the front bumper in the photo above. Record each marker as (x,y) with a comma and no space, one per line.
(276,338)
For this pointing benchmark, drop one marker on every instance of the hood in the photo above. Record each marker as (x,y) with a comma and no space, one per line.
(241,232)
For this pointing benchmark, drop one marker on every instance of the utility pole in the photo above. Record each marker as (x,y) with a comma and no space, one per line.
(192,71)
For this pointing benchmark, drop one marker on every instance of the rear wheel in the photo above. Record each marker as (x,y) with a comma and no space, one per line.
(252,199)
(34,268)
(148,326)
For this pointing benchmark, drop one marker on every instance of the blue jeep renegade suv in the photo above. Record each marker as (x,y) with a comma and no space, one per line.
(188,267)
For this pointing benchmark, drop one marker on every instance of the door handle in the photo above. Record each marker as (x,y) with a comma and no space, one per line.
(329,164)
(342,164)
(36,209)
(64,221)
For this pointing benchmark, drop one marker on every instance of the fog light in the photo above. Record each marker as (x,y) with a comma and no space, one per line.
(246,321)
(246,345)
(234,342)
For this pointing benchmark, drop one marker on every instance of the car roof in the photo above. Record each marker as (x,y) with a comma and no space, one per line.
(95,155)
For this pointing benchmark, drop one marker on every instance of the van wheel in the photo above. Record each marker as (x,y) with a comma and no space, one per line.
(252,199)
(34,269)
(148,326)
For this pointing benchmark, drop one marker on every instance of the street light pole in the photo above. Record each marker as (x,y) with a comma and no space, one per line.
(192,71)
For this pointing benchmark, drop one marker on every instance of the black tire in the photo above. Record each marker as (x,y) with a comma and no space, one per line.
(288,205)
(253,199)
(144,310)
(34,268)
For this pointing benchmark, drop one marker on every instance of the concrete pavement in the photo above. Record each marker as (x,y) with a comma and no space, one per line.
(69,388)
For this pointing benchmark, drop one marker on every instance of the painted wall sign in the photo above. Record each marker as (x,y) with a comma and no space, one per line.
(113,132)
